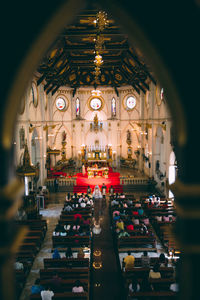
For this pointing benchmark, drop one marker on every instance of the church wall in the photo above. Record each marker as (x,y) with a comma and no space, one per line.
(146,117)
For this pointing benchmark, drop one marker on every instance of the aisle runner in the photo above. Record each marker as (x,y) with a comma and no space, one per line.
(83,181)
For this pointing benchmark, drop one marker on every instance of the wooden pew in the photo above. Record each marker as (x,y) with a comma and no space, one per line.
(66,263)
(164,295)
(166,272)
(64,296)
(66,285)
(60,241)
(65,273)
(136,240)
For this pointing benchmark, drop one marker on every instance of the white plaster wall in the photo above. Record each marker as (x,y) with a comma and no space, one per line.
(114,130)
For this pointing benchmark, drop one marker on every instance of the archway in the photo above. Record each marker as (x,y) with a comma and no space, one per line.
(29,64)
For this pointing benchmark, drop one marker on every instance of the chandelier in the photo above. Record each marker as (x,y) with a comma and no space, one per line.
(100,22)
(98,60)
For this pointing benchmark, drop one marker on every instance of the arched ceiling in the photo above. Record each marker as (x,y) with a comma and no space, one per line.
(70,61)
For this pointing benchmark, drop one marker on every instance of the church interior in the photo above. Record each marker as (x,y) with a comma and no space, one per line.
(103,199)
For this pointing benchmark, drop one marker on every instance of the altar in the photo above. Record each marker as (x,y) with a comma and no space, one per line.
(100,172)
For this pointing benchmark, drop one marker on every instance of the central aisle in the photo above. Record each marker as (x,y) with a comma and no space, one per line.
(107,281)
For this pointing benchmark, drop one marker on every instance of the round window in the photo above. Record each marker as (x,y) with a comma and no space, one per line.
(60,103)
(95,103)
(130,102)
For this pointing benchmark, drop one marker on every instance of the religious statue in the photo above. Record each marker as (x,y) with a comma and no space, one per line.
(63,150)
(64,136)
(96,121)
(128,138)
(22,137)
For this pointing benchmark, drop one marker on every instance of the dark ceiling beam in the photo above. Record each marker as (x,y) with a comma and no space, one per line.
(56,88)
(129,80)
(113,82)
(92,57)
(87,32)
(144,68)
(90,46)
(135,73)
(90,65)
(47,85)
(49,68)
(50,88)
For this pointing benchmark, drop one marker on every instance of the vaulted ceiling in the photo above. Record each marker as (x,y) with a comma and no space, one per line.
(70,61)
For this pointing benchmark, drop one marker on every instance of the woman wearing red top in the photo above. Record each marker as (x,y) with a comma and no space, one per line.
(135,213)
(130,227)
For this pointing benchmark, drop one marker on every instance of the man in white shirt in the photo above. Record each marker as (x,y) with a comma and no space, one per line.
(47,294)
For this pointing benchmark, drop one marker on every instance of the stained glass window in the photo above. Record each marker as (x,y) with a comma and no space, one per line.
(77,107)
(113,107)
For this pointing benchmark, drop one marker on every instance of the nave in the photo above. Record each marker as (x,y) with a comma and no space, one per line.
(98,260)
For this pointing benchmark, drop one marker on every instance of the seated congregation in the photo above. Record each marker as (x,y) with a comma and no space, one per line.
(147,271)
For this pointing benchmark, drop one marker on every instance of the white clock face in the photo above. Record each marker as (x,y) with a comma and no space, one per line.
(95,103)
(130,102)
(60,103)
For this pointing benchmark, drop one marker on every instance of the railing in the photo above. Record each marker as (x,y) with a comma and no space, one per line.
(128,180)
(62,182)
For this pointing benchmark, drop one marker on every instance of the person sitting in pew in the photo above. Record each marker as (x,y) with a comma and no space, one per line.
(68,197)
(143,229)
(135,212)
(119,225)
(68,253)
(129,225)
(163,261)
(165,205)
(77,216)
(67,227)
(47,294)
(82,204)
(140,211)
(123,233)
(77,288)
(129,202)
(134,285)
(56,254)
(18,265)
(129,261)
(116,217)
(81,253)
(145,259)
(68,208)
(174,287)
(150,204)
(63,232)
(37,287)
(56,232)
(114,202)
(155,274)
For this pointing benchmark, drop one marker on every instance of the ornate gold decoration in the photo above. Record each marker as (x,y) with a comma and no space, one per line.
(63,149)
(26,169)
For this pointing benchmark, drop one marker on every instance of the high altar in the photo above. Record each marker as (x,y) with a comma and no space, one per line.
(97,159)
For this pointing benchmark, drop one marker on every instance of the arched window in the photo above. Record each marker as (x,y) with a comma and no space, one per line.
(172,172)
(77,107)
(113,107)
